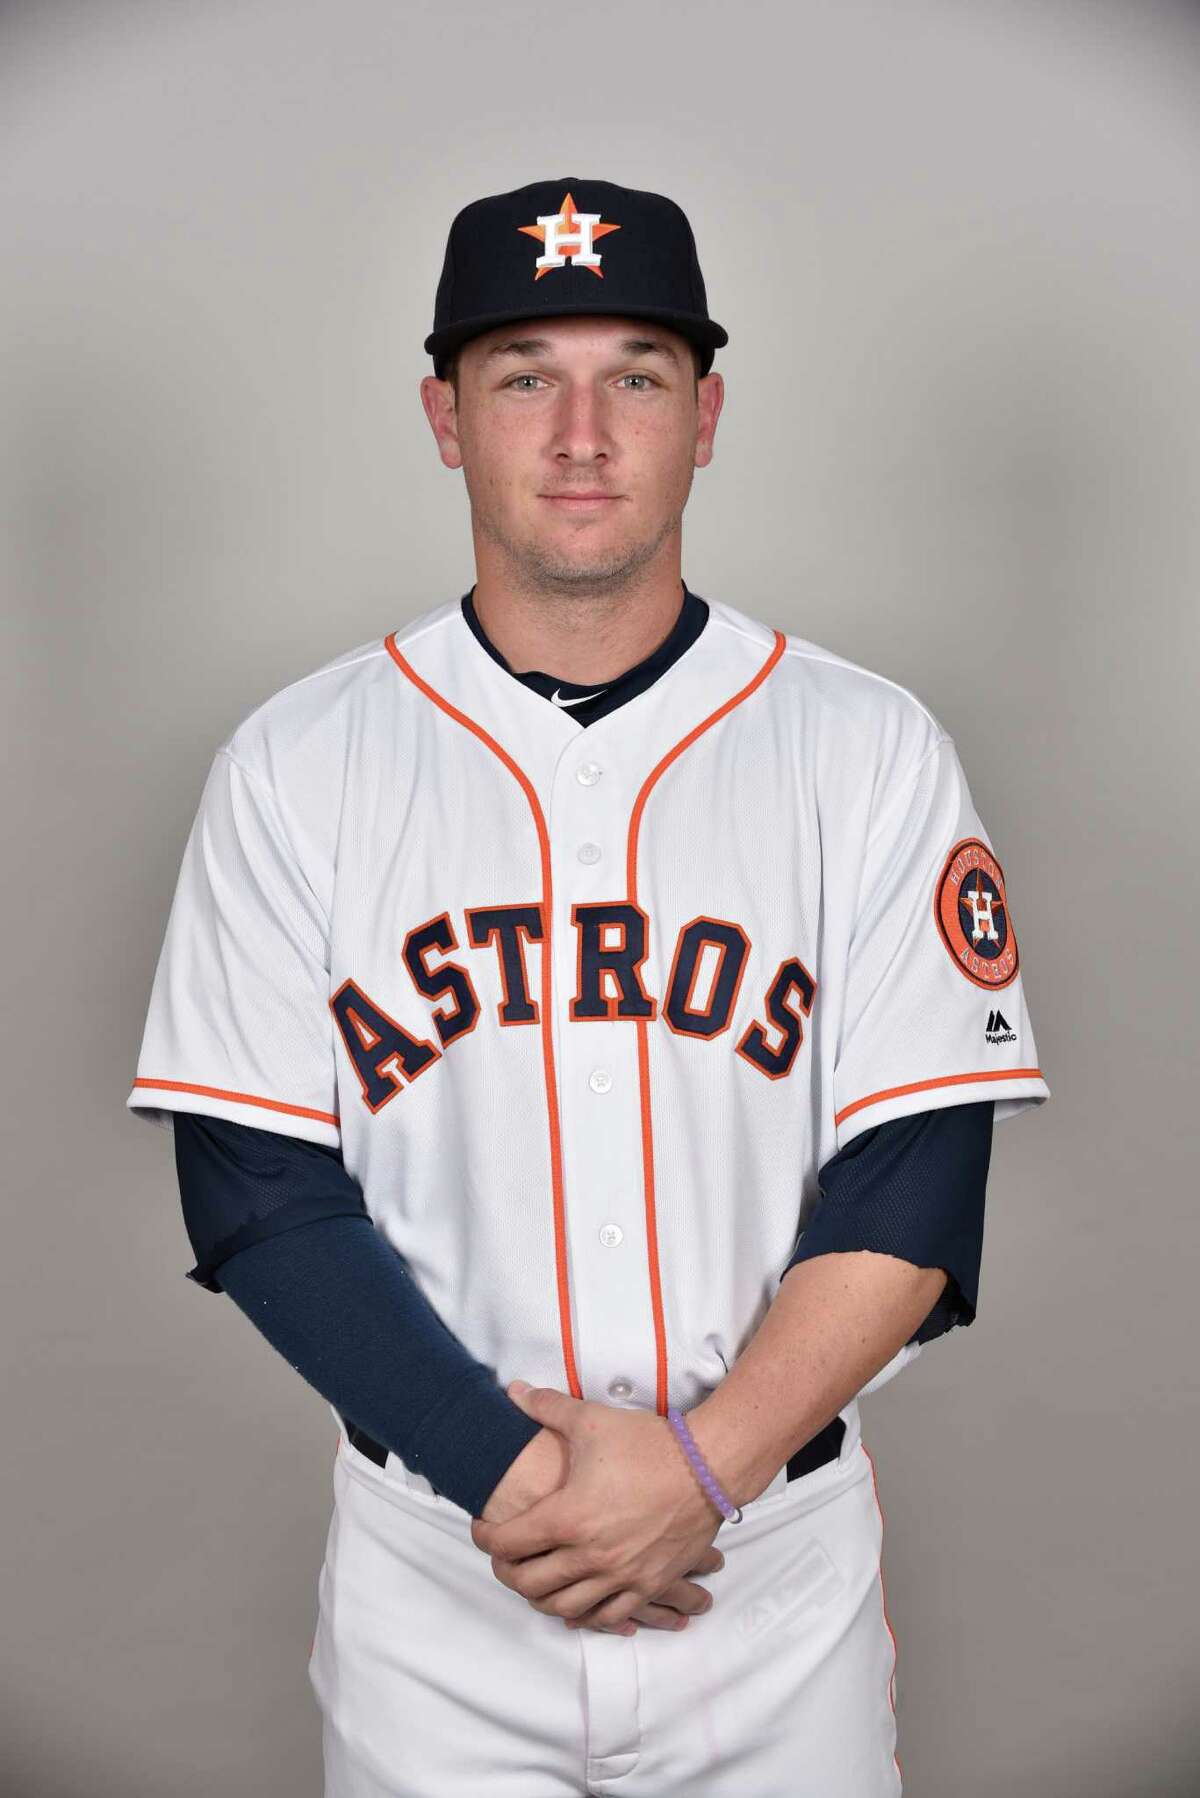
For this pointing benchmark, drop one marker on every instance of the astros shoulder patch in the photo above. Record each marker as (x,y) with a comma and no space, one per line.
(971,913)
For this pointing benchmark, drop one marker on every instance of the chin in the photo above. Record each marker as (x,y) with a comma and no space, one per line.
(582,572)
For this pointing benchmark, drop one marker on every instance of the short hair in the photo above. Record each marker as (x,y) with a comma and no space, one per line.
(451,369)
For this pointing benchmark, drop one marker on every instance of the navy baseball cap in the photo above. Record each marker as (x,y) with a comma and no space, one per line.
(570,246)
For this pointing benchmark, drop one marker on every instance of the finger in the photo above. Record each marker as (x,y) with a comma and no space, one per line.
(681,1598)
(654,1616)
(660,1616)
(543,1526)
(538,1577)
(586,1595)
(683,1595)
(559,1583)
(711,1561)
(561,1597)
(613,1609)
(548,1405)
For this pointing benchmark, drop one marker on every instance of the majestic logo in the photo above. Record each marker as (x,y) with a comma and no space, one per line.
(570,231)
(999,1030)
(971,913)
(557,699)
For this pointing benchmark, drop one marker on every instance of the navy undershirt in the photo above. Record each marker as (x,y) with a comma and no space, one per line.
(285,1226)
(588,702)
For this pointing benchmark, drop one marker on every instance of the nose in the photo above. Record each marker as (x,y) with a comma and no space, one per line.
(581,430)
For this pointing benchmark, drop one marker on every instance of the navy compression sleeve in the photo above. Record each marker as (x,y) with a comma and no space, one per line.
(914,1188)
(280,1225)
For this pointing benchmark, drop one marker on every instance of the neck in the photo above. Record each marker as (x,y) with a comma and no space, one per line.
(581,639)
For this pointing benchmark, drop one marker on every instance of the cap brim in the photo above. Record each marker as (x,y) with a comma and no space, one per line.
(705,332)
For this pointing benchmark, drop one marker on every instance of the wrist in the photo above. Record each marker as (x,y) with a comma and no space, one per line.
(737,1472)
(539,1468)
(705,1485)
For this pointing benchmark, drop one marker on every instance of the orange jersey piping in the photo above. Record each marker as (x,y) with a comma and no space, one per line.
(643,1042)
(547,1021)
(218,1092)
(923,1086)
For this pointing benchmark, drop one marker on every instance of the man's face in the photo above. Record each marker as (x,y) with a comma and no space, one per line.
(577,438)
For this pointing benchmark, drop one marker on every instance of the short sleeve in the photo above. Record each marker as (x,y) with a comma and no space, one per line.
(934,1010)
(239,1024)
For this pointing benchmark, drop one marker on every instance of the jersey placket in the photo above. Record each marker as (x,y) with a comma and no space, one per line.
(597,1060)
(609,1210)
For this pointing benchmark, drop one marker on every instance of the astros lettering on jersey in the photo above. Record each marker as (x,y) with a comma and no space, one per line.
(586,1011)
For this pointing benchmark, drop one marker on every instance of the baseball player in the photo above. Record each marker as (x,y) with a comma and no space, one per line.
(589,985)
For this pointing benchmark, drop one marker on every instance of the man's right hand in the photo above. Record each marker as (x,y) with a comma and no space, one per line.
(539,1469)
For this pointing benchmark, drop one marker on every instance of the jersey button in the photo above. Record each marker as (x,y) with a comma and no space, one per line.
(620,1388)
(611,1235)
(589,853)
(600,1080)
(588,773)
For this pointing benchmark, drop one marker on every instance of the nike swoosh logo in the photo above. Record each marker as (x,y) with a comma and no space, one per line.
(555,700)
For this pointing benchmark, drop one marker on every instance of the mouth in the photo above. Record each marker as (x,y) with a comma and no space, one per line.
(580,501)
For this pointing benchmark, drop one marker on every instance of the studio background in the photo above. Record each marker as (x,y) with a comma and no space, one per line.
(956,249)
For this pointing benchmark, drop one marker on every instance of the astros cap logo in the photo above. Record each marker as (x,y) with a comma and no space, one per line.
(971,911)
(567,229)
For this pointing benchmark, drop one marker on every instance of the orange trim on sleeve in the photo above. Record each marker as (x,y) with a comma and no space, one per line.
(218,1092)
(643,1042)
(921,1086)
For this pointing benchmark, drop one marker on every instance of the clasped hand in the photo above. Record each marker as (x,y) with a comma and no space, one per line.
(628,1521)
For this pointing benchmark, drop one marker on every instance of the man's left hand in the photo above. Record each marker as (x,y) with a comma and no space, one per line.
(628,1520)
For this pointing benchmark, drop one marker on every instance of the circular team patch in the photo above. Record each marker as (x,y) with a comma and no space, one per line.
(972,915)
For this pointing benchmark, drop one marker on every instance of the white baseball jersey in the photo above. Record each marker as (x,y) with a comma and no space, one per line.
(587,1009)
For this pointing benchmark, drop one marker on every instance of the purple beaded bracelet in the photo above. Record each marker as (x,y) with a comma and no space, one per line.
(731,1513)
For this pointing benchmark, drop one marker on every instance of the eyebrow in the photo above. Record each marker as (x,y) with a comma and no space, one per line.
(542,346)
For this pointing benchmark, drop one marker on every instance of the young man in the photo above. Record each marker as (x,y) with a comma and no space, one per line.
(592,986)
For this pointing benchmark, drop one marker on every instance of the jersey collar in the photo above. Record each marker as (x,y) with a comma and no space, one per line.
(587,703)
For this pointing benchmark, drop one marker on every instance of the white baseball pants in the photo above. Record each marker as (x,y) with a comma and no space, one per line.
(435,1681)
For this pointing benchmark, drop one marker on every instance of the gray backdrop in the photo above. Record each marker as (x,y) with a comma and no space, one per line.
(956,247)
